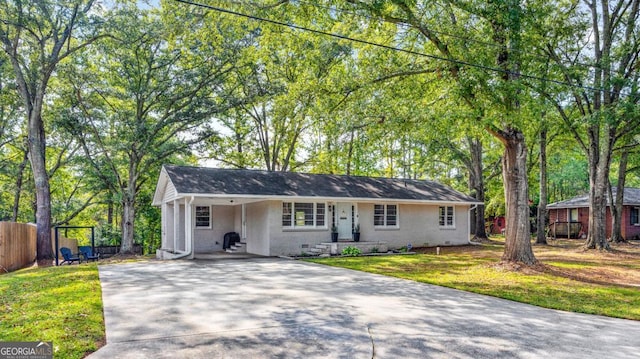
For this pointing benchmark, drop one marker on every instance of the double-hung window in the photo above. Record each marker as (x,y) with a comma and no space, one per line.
(446,217)
(303,215)
(203,216)
(385,215)
(635,216)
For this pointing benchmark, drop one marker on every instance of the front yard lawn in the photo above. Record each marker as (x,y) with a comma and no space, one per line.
(62,305)
(569,278)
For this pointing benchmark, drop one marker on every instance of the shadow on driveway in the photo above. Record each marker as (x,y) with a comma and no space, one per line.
(273,308)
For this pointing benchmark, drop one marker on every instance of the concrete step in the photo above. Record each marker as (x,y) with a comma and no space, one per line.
(323,246)
(234,249)
(314,251)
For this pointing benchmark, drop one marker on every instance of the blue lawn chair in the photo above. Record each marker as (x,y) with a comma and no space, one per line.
(88,254)
(68,256)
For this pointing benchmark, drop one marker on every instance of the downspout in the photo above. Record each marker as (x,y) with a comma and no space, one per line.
(190,229)
(187,228)
(469,222)
(176,224)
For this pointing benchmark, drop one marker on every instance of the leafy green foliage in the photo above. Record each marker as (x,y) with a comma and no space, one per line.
(139,99)
(351,251)
(179,83)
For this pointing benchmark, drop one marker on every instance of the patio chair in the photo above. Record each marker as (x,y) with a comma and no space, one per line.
(88,254)
(68,256)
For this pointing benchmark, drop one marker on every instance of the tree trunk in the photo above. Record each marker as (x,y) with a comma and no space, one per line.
(599,161)
(37,146)
(110,213)
(516,189)
(476,186)
(616,206)
(129,205)
(32,95)
(128,219)
(541,236)
(597,218)
(350,153)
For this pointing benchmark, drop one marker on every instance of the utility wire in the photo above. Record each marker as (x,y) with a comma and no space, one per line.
(388,47)
(409,26)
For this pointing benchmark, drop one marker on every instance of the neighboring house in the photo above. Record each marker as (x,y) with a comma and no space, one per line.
(576,211)
(285,213)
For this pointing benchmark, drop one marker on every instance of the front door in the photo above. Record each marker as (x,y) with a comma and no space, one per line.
(343,218)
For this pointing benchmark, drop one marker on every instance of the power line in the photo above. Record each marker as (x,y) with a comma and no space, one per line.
(392,48)
(409,26)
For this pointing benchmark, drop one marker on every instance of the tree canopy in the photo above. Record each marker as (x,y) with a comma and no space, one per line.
(515,103)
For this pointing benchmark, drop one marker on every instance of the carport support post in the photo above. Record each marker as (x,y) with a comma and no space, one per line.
(176,225)
(243,225)
(188,227)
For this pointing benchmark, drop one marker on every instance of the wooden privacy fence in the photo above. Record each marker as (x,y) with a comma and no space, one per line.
(17,246)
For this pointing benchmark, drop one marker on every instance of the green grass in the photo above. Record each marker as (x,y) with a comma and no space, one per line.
(58,304)
(475,271)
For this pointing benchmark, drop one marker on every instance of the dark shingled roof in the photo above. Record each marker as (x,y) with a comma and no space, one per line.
(631,198)
(220,181)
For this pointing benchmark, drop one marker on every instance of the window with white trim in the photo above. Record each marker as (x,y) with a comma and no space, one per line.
(203,216)
(385,215)
(303,215)
(286,214)
(634,216)
(446,217)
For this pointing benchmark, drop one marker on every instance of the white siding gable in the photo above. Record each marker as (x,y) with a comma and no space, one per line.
(169,192)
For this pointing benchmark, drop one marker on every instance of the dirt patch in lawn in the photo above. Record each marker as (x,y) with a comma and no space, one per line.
(568,258)
(565,258)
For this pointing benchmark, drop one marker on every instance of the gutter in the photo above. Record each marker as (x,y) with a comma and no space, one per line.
(191,226)
(316,198)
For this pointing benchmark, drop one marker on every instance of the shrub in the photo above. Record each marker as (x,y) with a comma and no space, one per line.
(351,251)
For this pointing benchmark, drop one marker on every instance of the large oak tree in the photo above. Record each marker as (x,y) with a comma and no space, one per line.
(37,36)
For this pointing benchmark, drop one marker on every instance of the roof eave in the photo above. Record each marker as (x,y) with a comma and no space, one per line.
(161,185)
(316,198)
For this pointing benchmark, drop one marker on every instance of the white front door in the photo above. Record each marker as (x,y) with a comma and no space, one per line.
(343,218)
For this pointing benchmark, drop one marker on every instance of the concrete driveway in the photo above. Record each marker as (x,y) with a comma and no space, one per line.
(272,308)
